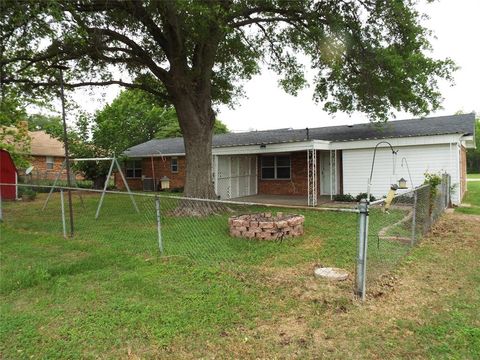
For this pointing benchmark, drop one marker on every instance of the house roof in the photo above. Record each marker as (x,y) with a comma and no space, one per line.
(454,124)
(43,144)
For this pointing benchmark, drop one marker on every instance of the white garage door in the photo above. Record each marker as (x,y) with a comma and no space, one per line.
(236,177)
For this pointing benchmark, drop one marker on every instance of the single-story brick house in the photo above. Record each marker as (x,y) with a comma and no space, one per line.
(47,155)
(318,162)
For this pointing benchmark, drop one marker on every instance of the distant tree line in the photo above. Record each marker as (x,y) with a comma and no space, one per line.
(473,155)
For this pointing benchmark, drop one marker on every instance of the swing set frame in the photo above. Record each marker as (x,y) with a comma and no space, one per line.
(114,162)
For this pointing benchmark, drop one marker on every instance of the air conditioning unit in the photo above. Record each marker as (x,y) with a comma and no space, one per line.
(149,184)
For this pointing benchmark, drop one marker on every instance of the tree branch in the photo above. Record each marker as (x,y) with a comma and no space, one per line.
(161,73)
(257,20)
(141,14)
(86,83)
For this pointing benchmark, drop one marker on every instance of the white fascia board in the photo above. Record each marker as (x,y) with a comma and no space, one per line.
(268,149)
(397,142)
(322,145)
(468,142)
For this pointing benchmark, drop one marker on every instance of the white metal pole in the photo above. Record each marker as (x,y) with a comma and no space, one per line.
(159,226)
(62,205)
(53,186)
(365,252)
(308,178)
(91,159)
(104,189)
(331,177)
(362,249)
(126,184)
(314,177)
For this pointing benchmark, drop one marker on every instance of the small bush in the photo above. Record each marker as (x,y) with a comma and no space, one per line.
(364,196)
(344,198)
(27,193)
(433,180)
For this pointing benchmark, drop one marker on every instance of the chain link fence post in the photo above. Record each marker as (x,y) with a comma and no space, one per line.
(414,217)
(159,225)
(62,206)
(362,248)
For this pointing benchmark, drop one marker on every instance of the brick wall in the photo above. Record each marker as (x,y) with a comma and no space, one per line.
(40,170)
(296,185)
(161,167)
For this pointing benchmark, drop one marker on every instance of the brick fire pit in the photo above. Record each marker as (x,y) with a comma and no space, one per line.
(264,226)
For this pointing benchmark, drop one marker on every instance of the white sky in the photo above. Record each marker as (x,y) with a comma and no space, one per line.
(455,26)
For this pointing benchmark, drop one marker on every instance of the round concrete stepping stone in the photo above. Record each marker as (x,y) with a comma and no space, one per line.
(331,273)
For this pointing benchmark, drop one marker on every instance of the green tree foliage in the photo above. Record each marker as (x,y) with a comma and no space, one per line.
(132,118)
(15,139)
(368,55)
(135,117)
(172,129)
(81,146)
(49,124)
(473,155)
(14,135)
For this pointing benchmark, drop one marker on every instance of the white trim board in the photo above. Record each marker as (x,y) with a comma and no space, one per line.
(397,142)
(326,145)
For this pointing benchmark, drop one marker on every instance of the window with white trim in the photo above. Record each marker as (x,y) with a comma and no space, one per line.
(276,167)
(50,161)
(133,169)
(174,165)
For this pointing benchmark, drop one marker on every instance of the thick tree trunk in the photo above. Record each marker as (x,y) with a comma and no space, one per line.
(198,150)
(197,129)
(196,123)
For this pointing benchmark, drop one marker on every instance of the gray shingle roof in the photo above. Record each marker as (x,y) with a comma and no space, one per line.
(454,124)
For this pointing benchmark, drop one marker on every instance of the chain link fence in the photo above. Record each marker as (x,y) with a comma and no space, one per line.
(248,239)
(126,221)
(237,236)
(395,226)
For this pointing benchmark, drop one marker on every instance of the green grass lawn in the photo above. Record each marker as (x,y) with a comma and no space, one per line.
(108,293)
(472,198)
(473,176)
(108,288)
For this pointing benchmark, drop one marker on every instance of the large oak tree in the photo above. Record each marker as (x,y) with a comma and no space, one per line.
(368,55)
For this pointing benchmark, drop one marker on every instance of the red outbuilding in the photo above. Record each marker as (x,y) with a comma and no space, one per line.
(8,175)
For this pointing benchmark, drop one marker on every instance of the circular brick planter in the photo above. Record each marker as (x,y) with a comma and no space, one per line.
(264,226)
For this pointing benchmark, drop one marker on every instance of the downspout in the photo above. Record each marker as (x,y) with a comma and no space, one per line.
(215,159)
(153,173)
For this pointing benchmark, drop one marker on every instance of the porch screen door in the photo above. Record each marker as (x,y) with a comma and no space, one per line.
(328,179)
(325,172)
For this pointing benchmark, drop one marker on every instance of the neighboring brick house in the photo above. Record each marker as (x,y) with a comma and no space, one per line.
(46,155)
(314,162)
